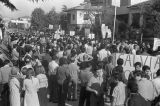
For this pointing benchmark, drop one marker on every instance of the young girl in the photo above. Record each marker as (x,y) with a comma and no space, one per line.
(31,86)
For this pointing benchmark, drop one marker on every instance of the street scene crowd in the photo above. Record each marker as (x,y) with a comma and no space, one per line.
(36,69)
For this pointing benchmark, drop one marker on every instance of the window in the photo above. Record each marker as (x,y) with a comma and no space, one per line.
(73,16)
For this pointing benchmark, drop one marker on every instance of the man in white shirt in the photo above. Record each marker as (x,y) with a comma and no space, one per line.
(53,65)
(103,53)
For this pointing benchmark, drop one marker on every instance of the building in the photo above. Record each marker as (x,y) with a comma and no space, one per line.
(20,23)
(85,15)
(82,17)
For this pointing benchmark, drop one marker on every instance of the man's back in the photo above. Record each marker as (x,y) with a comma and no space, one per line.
(4,74)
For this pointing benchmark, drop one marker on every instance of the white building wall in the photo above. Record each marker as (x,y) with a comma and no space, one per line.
(80,17)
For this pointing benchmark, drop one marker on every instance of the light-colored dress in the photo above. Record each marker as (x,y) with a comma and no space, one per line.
(14,86)
(31,87)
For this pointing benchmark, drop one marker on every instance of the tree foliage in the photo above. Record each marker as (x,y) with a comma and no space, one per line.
(152,17)
(41,20)
(37,18)
(10,5)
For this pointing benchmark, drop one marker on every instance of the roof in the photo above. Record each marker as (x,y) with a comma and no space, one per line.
(86,6)
(140,4)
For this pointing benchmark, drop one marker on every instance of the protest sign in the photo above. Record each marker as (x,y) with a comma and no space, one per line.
(72,33)
(156,44)
(116,3)
(130,60)
(103,30)
(91,36)
(1,34)
(50,26)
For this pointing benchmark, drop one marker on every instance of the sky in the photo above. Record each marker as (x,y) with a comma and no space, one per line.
(25,7)
(137,1)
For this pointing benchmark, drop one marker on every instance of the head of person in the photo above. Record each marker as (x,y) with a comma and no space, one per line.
(84,65)
(110,59)
(30,72)
(65,53)
(39,70)
(120,62)
(63,61)
(132,85)
(158,73)
(27,59)
(146,69)
(145,75)
(83,49)
(14,72)
(24,70)
(6,62)
(138,66)
(117,76)
(29,50)
(137,75)
(98,70)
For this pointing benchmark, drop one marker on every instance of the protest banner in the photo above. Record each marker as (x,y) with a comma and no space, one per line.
(130,60)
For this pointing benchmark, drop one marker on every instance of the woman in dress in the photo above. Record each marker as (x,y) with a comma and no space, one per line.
(43,83)
(14,86)
(31,86)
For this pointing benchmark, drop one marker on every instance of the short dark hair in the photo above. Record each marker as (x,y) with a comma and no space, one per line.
(63,61)
(144,75)
(145,67)
(132,85)
(158,72)
(120,61)
(137,63)
(117,76)
(137,73)
(6,61)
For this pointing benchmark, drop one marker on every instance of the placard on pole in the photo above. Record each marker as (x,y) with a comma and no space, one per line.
(115,3)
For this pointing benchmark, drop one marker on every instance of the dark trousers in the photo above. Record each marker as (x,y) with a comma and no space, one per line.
(53,88)
(62,94)
(42,95)
(96,100)
(84,97)
(5,95)
(72,91)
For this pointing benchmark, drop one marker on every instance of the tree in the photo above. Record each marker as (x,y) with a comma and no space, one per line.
(64,8)
(152,18)
(8,4)
(53,18)
(37,18)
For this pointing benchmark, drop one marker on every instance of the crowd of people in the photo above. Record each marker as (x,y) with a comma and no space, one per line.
(36,69)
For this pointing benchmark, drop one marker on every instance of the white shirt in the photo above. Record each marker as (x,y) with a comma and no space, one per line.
(52,67)
(119,94)
(103,54)
(156,83)
(134,52)
(43,81)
